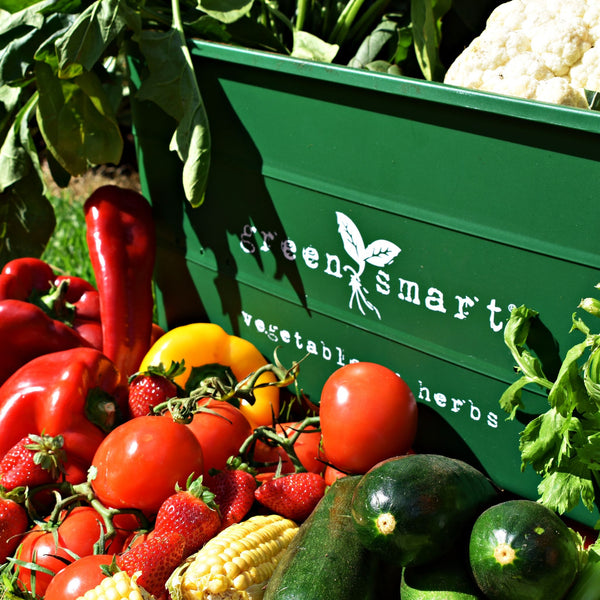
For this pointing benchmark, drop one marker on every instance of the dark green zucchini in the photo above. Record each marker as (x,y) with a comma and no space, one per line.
(449,578)
(521,550)
(325,560)
(412,510)
(587,582)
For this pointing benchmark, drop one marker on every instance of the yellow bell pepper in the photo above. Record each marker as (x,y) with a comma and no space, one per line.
(199,344)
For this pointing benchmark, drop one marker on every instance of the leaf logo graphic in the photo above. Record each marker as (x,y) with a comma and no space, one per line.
(378,253)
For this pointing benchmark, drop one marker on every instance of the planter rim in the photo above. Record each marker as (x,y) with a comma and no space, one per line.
(442,93)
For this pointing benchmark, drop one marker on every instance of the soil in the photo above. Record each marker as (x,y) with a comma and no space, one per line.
(83,186)
(124,174)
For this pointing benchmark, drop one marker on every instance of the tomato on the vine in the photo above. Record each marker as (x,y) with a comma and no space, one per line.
(368,413)
(220,434)
(201,345)
(140,462)
(307,448)
(76,579)
(331,474)
(76,536)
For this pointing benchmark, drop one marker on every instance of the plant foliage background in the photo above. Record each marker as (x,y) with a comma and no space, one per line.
(64,83)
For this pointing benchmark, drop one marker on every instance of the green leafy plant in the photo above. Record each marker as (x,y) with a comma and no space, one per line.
(562,444)
(63,80)
(64,84)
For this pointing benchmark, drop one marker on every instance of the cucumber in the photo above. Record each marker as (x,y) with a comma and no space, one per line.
(412,510)
(325,560)
(522,550)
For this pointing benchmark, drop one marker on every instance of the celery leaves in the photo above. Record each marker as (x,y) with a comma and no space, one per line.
(562,444)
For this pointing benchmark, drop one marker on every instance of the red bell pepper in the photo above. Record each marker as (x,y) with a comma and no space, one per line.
(90,331)
(68,299)
(122,245)
(33,280)
(88,306)
(84,300)
(74,393)
(77,287)
(22,277)
(27,332)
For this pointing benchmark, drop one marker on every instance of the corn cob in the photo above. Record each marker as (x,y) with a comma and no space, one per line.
(117,587)
(236,564)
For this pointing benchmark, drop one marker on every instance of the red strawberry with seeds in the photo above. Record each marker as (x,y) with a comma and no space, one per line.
(13,524)
(293,496)
(191,512)
(34,460)
(156,558)
(234,494)
(152,387)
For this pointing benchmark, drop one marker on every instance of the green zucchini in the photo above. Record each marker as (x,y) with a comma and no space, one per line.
(449,578)
(587,582)
(522,550)
(325,560)
(412,510)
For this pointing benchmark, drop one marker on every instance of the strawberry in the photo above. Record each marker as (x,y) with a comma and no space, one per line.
(234,494)
(13,524)
(152,387)
(156,558)
(33,460)
(293,496)
(191,512)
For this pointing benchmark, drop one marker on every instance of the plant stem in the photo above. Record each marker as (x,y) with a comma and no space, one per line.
(178,26)
(345,21)
(301,14)
(359,29)
(265,434)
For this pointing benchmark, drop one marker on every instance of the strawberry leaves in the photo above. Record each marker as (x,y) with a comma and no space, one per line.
(34,460)
(562,444)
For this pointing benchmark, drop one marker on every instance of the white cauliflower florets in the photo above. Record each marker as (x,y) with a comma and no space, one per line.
(545,50)
(586,73)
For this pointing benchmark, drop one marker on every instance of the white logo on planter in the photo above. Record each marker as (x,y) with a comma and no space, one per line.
(378,253)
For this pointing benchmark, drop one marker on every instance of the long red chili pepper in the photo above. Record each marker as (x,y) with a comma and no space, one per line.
(122,245)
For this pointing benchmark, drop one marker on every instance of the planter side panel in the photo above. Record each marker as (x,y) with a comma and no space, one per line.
(357,217)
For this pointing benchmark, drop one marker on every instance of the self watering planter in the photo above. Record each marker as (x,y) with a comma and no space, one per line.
(352,215)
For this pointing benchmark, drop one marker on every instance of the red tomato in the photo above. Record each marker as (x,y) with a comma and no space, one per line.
(139,463)
(127,526)
(77,534)
(77,578)
(307,448)
(331,474)
(220,435)
(368,413)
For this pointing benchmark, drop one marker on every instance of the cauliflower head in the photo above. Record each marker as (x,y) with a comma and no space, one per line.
(546,50)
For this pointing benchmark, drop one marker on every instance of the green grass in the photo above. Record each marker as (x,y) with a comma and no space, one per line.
(67,249)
